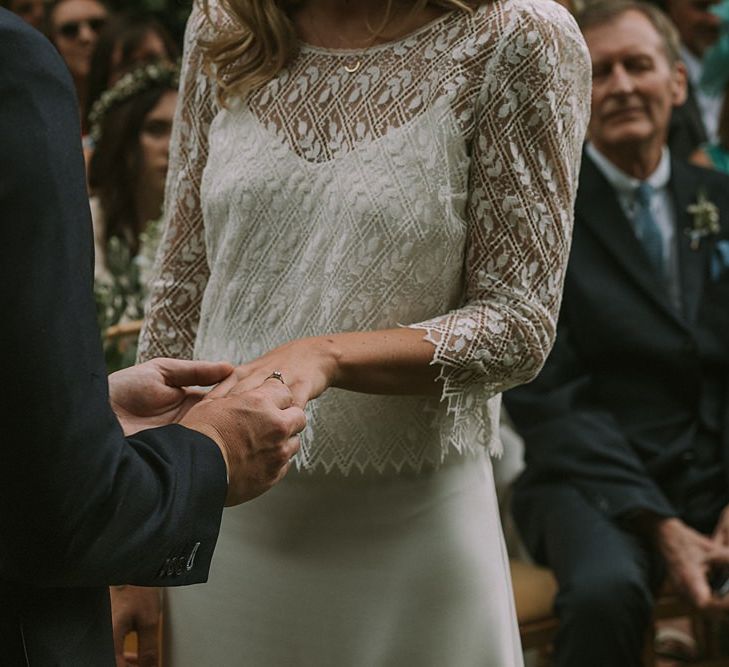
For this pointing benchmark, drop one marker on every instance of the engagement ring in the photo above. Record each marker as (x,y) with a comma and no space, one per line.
(276,375)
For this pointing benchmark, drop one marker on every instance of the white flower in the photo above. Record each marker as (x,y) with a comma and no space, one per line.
(705,216)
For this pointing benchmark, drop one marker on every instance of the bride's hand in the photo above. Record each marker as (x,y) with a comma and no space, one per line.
(308,366)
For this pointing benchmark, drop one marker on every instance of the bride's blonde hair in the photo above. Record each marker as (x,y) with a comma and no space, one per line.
(261,39)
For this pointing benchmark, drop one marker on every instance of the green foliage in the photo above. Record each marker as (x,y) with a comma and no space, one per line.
(121,293)
(118,298)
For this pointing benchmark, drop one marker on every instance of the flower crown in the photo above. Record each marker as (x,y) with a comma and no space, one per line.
(131,84)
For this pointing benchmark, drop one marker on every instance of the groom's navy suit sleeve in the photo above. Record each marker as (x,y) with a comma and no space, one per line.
(80,505)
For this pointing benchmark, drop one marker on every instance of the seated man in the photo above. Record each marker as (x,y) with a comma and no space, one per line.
(626,428)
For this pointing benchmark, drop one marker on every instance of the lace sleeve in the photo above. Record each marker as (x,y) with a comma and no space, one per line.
(181,271)
(531,119)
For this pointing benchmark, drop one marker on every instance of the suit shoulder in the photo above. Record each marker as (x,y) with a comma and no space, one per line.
(17,37)
(25,51)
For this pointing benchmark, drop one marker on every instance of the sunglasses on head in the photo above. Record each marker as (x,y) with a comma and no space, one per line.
(71,29)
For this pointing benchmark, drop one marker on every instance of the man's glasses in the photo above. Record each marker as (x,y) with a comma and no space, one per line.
(71,29)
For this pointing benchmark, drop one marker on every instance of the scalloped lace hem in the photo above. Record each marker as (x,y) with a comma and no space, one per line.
(470,426)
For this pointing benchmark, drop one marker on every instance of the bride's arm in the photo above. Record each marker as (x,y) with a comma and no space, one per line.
(181,270)
(533,110)
(393,361)
(532,114)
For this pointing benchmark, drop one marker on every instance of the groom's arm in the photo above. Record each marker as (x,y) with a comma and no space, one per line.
(79,504)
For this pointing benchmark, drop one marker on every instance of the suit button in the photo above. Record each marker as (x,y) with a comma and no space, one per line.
(165,568)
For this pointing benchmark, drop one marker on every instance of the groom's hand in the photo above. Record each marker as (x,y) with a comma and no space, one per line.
(257,433)
(156,393)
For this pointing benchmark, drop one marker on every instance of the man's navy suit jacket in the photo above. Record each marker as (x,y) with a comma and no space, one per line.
(630,380)
(81,507)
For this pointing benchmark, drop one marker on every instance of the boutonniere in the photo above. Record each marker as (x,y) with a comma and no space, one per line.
(705,220)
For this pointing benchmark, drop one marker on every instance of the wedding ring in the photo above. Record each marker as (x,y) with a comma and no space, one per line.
(276,375)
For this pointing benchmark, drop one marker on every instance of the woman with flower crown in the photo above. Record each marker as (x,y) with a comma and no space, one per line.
(131,125)
(373,199)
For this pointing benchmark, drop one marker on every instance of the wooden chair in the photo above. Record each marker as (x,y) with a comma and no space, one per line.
(131,646)
(534,591)
(123,331)
(120,344)
(704,627)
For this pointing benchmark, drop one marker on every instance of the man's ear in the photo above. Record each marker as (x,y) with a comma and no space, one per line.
(679,84)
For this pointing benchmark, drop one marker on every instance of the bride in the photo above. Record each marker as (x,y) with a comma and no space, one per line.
(373,198)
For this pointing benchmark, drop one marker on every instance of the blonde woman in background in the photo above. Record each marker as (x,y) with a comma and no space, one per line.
(373,199)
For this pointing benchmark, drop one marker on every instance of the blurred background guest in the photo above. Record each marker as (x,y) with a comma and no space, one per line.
(74,27)
(696,121)
(31,11)
(715,80)
(625,428)
(130,125)
(127,40)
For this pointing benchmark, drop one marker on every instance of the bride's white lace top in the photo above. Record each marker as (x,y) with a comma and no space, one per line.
(432,187)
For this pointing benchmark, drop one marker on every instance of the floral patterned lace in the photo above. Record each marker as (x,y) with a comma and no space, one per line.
(432,187)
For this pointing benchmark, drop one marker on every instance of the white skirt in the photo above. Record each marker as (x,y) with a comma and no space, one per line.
(359,571)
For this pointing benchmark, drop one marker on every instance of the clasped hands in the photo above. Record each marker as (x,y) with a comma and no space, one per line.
(691,557)
(255,424)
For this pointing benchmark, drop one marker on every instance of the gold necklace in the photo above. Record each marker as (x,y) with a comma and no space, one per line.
(349,66)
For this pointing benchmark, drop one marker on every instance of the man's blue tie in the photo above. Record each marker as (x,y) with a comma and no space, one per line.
(646,228)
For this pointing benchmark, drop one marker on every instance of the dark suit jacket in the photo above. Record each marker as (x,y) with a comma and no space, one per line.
(81,507)
(686,131)
(630,381)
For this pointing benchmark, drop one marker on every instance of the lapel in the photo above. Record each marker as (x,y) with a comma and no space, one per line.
(598,209)
(692,264)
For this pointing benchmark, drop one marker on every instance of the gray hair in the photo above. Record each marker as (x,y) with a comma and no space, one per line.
(605,11)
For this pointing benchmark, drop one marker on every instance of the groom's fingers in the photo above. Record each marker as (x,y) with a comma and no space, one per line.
(183,373)
(296,422)
(271,389)
(223,387)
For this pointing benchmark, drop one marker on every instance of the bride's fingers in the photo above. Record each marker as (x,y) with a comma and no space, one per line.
(227,385)
(248,383)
